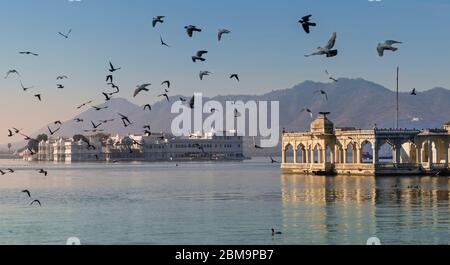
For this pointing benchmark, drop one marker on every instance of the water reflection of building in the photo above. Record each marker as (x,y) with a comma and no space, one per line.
(329,150)
(350,209)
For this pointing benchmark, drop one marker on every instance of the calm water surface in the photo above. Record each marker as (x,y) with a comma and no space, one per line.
(216,203)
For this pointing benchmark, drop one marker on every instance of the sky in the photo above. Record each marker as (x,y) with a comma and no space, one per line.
(266,48)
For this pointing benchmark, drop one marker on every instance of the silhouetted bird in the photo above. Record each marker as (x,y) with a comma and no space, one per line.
(27,192)
(109,78)
(306,24)
(29,53)
(275,232)
(13,71)
(167,83)
(66,35)
(107,96)
(199,56)
(322,92)
(203,74)
(414,92)
(307,110)
(221,32)
(25,88)
(191,29)
(99,108)
(42,171)
(53,132)
(36,201)
(157,19)
(140,88)
(165,95)
(163,43)
(38,96)
(235,76)
(148,106)
(112,69)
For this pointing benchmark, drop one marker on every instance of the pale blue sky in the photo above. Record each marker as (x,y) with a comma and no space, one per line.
(266,48)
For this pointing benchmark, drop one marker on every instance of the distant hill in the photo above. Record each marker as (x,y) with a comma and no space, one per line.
(352,102)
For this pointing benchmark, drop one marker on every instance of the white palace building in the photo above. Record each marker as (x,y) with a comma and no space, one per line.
(326,150)
(209,146)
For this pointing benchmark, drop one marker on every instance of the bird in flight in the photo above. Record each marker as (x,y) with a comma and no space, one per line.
(13,71)
(59,86)
(221,32)
(167,83)
(32,152)
(163,43)
(27,192)
(84,104)
(42,171)
(61,77)
(78,120)
(308,111)
(148,106)
(199,56)
(165,95)
(273,160)
(57,123)
(29,53)
(36,201)
(38,96)
(414,92)
(10,133)
(140,88)
(66,35)
(237,114)
(157,19)
(95,126)
(330,77)
(387,45)
(107,96)
(323,93)
(53,132)
(235,76)
(306,23)
(99,108)
(204,73)
(191,29)
(255,145)
(25,88)
(125,120)
(112,69)
(327,49)
(109,79)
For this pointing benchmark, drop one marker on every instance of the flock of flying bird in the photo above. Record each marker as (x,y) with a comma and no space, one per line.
(200,56)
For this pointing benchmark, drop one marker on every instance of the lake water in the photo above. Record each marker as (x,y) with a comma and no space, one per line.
(216,203)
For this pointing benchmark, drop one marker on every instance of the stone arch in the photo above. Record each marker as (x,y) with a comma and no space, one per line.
(339,152)
(408,152)
(317,154)
(288,151)
(328,154)
(386,152)
(301,153)
(367,152)
(438,148)
(350,153)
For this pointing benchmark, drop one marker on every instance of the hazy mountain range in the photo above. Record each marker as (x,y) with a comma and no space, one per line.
(352,102)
